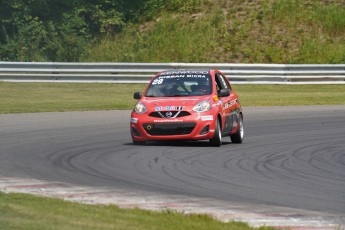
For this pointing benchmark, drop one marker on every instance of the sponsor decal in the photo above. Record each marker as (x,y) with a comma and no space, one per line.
(159,108)
(134,120)
(195,76)
(184,72)
(229,104)
(207,118)
(180,74)
(169,108)
(160,79)
(170,120)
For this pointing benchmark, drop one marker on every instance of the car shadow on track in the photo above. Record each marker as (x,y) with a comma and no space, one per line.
(180,143)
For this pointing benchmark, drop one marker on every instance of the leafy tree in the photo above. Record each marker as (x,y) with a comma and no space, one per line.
(22,35)
(61,30)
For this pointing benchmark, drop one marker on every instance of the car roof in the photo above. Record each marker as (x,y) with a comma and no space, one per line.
(185,71)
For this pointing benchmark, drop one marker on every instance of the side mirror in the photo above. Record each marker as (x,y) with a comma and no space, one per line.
(137,95)
(224,93)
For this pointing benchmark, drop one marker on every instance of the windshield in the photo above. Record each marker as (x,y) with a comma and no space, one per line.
(180,83)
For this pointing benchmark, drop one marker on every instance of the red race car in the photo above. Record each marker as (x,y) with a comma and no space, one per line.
(187,105)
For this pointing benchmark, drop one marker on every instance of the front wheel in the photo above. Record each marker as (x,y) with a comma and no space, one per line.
(239,135)
(216,140)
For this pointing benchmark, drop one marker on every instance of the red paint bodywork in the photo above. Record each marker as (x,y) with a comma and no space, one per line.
(222,108)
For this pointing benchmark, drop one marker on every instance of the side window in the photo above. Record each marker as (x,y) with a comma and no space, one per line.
(226,83)
(219,85)
(222,83)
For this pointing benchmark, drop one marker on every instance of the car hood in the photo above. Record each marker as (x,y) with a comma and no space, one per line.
(187,102)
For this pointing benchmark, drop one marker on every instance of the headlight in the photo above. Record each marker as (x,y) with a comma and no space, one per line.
(140,108)
(202,106)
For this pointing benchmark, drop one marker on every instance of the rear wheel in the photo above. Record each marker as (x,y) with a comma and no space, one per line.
(216,140)
(239,135)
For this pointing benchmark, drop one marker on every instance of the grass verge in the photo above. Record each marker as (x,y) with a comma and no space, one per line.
(48,97)
(23,211)
(221,31)
(287,95)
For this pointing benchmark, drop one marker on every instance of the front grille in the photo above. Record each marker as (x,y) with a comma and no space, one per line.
(169,114)
(164,129)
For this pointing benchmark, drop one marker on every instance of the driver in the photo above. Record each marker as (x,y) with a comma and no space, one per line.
(171,89)
(203,86)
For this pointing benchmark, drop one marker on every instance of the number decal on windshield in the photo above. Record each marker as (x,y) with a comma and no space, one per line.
(157,81)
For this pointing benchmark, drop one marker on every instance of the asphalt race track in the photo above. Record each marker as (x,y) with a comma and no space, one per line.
(291,156)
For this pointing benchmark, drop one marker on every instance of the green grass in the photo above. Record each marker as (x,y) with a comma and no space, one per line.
(284,95)
(318,28)
(48,97)
(22,211)
(221,31)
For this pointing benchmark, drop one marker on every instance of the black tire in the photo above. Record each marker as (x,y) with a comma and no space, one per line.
(238,137)
(216,140)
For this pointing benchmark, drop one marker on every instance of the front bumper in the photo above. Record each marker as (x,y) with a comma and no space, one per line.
(197,126)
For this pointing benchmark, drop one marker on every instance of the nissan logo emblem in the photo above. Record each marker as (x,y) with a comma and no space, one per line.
(168,114)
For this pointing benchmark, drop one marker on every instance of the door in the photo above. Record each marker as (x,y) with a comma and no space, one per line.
(229,104)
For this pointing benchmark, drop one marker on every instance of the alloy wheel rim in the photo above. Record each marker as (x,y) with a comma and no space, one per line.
(241,129)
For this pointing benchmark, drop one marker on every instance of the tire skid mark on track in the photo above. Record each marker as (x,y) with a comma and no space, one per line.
(288,160)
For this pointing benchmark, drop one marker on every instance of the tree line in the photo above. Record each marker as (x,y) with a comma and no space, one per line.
(62,30)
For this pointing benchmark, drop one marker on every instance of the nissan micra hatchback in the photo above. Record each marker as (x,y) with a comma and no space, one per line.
(187,105)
